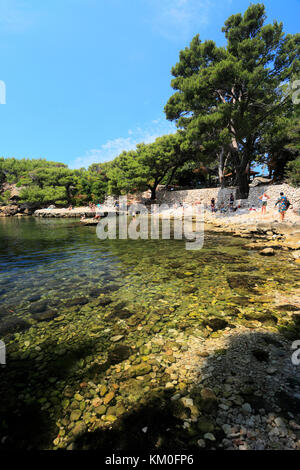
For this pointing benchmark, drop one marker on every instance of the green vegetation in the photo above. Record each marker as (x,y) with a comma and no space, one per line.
(41,182)
(228,97)
(150,165)
(293,172)
(233,106)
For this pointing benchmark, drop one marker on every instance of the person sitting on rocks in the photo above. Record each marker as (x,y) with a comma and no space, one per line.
(222,208)
(98,212)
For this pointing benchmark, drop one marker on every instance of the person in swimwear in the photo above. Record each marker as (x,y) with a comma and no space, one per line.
(264,198)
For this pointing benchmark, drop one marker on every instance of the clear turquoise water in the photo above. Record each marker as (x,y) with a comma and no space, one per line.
(134,289)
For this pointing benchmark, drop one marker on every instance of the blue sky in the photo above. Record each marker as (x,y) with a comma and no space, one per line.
(86,79)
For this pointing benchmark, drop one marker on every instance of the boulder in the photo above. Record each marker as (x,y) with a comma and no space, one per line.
(259,181)
(8,211)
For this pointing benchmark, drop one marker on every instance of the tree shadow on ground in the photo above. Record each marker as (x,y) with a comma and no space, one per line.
(254,369)
(24,423)
(250,367)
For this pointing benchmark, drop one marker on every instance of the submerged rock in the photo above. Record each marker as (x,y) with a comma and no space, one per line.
(119,353)
(101,410)
(13,325)
(205,425)
(139,369)
(75,415)
(34,298)
(109,397)
(102,302)
(38,307)
(216,324)
(116,338)
(45,316)
(95,292)
(267,318)
(243,282)
(76,301)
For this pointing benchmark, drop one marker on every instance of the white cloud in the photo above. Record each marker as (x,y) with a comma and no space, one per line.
(112,148)
(177,19)
(16,16)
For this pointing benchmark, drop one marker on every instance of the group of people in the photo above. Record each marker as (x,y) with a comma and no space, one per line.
(94,208)
(222,207)
(283,204)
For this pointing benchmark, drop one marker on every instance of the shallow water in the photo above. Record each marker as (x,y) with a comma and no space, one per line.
(139,291)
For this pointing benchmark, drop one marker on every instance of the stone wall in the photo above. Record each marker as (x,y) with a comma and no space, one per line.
(204,196)
(190,196)
(273,191)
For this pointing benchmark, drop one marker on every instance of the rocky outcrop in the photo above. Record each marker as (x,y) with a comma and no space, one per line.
(9,210)
(77,212)
(266,236)
(17,210)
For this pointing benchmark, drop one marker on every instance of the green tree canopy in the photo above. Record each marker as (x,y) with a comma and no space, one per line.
(149,165)
(231,93)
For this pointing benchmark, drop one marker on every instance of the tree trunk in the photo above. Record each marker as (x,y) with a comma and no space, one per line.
(171,176)
(153,193)
(242,183)
(221,167)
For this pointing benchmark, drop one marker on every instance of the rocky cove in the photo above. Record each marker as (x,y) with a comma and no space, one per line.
(148,345)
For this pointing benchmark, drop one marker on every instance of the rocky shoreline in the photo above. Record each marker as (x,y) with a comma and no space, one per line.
(267,237)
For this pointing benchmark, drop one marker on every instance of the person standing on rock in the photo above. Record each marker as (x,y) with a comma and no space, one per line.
(213,205)
(283,205)
(98,212)
(264,198)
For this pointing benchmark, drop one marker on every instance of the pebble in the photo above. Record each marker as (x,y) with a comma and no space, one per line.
(117,338)
(246,408)
(244,447)
(201,443)
(226,428)
(175,397)
(209,436)
(280,422)
(169,385)
(187,402)
(271,370)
